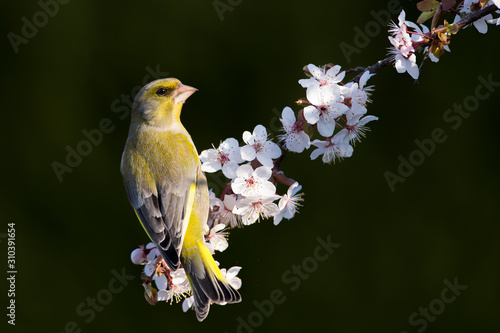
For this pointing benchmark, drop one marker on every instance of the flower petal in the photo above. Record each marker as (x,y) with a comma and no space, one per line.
(208,155)
(288,117)
(315,71)
(364,78)
(263,172)
(247,137)
(317,152)
(248,153)
(161,282)
(413,70)
(188,303)
(313,95)
(272,149)
(326,126)
(268,188)
(264,159)
(311,114)
(260,133)
(242,206)
(399,63)
(211,166)
(305,83)
(239,185)
(229,169)
(229,146)
(244,171)
(367,119)
(164,295)
(481,24)
(232,272)
(277,218)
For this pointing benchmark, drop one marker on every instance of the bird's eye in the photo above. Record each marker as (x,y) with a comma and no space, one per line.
(161,91)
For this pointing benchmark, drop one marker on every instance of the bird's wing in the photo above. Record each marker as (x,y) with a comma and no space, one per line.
(163,209)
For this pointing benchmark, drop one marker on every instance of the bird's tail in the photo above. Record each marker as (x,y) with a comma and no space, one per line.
(206,279)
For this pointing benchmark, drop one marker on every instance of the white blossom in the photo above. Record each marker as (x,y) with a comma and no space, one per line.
(288,203)
(168,289)
(405,59)
(252,209)
(326,107)
(221,212)
(216,239)
(295,138)
(259,147)
(138,256)
(226,215)
(180,281)
(175,290)
(354,98)
(337,147)
(226,157)
(215,206)
(322,77)
(250,182)
(151,258)
(356,126)
(357,95)
(231,277)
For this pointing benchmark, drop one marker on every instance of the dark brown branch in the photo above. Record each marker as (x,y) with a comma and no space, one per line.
(376,67)
(462,23)
(356,69)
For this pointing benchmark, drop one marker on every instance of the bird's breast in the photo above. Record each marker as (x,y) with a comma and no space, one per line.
(169,154)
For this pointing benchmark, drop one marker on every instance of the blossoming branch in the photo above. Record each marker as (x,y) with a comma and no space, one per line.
(332,119)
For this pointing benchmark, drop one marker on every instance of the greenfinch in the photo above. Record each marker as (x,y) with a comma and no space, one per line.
(168,190)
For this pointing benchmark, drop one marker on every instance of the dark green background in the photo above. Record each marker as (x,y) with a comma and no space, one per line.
(396,248)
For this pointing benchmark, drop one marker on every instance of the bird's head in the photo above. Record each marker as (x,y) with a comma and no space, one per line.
(160,102)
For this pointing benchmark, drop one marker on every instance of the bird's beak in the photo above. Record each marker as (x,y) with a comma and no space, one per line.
(182,93)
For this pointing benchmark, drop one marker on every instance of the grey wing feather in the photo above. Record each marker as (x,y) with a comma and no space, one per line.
(162,216)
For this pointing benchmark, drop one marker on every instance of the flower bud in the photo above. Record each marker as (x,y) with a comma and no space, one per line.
(150,294)
(138,256)
(303,101)
(306,71)
(328,66)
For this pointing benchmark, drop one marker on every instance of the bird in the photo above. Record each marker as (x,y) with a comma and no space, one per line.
(168,190)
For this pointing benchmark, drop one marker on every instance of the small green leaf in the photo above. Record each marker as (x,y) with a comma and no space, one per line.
(150,294)
(425,16)
(428,5)
(451,28)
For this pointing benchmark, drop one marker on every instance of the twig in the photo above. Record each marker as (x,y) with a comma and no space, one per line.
(426,56)
(469,19)
(375,67)
(282,156)
(356,69)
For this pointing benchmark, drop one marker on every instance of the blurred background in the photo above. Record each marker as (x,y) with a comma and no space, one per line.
(87,59)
